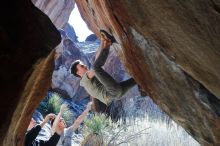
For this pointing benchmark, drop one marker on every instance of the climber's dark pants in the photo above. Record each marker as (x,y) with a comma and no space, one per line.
(114,90)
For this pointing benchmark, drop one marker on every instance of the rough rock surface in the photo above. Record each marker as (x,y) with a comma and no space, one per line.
(69,30)
(27,37)
(57,10)
(91,37)
(172,50)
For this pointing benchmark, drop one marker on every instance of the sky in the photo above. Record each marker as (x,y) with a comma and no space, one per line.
(79,25)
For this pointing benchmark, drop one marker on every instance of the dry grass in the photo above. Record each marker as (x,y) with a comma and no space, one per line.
(159,134)
(138,132)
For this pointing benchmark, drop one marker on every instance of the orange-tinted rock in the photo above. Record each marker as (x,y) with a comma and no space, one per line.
(171,48)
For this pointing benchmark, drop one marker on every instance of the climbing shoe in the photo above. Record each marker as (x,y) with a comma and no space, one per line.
(141,91)
(106,35)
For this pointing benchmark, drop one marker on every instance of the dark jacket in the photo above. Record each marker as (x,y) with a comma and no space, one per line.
(30,138)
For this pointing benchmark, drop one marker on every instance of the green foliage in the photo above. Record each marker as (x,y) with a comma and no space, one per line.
(112,133)
(68,117)
(52,105)
(98,124)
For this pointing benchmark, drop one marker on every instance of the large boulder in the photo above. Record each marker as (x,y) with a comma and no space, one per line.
(171,48)
(27,38)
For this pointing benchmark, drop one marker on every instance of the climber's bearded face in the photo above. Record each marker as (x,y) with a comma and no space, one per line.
(81,69)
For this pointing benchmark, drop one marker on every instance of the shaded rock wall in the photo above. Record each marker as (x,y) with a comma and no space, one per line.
(57,10)
(172,50)
(27,36)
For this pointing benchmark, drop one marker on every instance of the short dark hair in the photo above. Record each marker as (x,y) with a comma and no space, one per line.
(73,68)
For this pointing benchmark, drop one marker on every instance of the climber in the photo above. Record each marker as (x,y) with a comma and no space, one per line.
(33,131)
(67,136)
(98,83)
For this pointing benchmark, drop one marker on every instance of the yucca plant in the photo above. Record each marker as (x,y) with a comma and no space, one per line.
(98,124)
(52,105)
(68,117)
(99,130)
(96,130)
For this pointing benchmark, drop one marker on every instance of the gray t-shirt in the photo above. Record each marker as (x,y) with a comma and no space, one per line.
(95,88)
(70,138)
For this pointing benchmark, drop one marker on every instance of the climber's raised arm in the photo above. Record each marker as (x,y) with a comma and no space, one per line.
(80,119)
(57,119)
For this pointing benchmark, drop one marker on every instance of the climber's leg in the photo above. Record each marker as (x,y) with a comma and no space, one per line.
(126,85)
(112,87)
